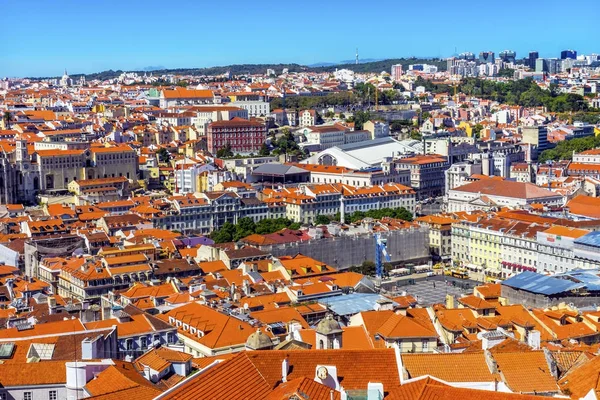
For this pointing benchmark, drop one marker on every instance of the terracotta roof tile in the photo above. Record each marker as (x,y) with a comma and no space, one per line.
(526,372)
(450,367)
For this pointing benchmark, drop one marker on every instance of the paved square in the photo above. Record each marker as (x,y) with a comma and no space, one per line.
(434,290)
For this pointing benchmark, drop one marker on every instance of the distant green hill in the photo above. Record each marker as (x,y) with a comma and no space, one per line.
(250,69)
(383,65)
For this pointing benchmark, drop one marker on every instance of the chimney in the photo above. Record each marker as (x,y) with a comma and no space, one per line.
(147,372)
(284,369)
(51,304)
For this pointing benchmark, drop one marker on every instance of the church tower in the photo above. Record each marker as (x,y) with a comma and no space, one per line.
(328,334)
(22,155)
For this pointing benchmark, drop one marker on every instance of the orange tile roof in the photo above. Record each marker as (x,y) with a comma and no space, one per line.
(139,290)
(505,188)
(281,314)
(187,93)
(450,367)
(579,381)
(217,330)
(48,328)
(567,231)
(429,389)
(233,379)
(160,359)
(398,326)
(585,205)
(212,266)
(526,372)
(138,325)
(29,374)
(490,290)
(120,381)
(303,388)
(475,303)
(357,367)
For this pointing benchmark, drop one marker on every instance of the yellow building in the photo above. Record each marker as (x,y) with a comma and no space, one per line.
(465,126)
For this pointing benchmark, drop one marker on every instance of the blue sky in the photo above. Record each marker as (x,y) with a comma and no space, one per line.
(42,37)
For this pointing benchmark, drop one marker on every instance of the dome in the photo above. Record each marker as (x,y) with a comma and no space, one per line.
(328,325)
(258,341)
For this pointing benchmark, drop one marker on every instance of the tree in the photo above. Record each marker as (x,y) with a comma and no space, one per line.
(564,150)
(294,226)
(245,227)
(416,135)
(404,214)
(163,155)
(225,152)
(322,220)
(360,117)
(399,124)
(366,268)
(506,73)
(225,234)
(286,144)
(7,118)
(264,150)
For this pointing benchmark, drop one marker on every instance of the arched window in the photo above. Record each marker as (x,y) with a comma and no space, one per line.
(321,344)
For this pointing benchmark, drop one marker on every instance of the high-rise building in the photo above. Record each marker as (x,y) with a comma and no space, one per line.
(568,54)
(396,72)
(487,57)
(549,65)
(467,56)
(508,56)
(533,56)
(461,67)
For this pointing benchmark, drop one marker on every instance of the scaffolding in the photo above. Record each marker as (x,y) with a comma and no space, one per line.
(37,249)
(403,245)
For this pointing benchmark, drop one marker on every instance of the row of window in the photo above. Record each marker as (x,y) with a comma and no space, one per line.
(52,395)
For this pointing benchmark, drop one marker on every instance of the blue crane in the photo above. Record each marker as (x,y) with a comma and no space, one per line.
(380,250)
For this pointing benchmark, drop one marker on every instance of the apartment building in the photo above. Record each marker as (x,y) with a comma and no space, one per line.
(183,96)
(324,136)
(204,115)
(244,136)
(307,118)
(377,129)
(56,168)
(304,204)
(210,210)
(487,194)
(346,176)
(426,174)
(496,247)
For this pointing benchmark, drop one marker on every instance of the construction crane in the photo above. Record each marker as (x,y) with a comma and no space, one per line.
(380,251)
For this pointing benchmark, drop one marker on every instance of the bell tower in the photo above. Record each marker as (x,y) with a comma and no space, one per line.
(22,155)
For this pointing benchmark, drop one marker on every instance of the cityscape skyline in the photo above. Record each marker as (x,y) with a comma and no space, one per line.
(291,206)
(165,39)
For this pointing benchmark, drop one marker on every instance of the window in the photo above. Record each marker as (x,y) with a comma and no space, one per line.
(425,345)
(144,342)
(2,396)
(129,344)
(52,395)
(27,396)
